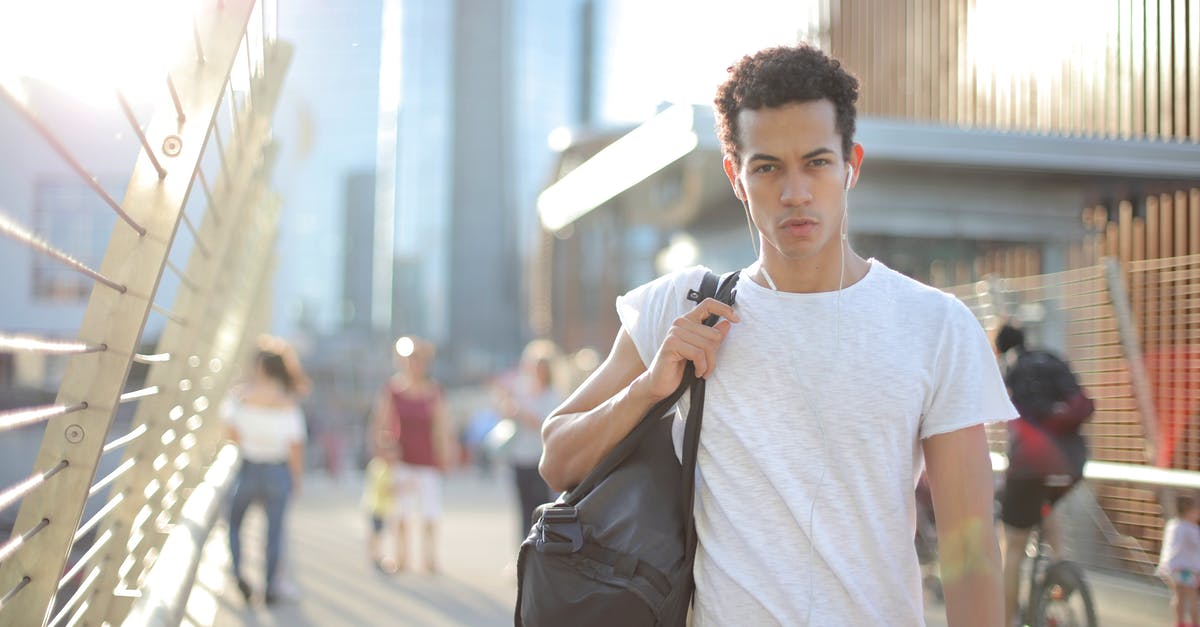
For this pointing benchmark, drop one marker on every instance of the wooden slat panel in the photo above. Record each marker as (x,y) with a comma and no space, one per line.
(921,60)
(1181,223)
(1193,90)
(1125,68)
(1194,222)
(1138,279)
(1112,71)
(1166,83)
(1137,69)
(1180,54)
(1125,221)
(1084,62)
(1152,77)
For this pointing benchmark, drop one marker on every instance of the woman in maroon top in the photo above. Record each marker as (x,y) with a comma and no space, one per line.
(412,433)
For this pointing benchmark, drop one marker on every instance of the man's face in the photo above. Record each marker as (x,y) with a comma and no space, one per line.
(793,175)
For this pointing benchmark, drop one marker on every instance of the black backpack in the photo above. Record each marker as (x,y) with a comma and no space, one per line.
(1046,392)
(618,548)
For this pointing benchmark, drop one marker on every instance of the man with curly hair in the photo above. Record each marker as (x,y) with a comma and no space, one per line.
(838,377)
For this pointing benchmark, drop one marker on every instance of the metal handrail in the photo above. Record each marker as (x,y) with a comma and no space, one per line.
(223,279)
(1133,474)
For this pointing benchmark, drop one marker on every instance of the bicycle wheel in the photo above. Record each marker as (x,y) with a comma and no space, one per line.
(1063,598)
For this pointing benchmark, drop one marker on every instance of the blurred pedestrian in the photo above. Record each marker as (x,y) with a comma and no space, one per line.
(1179,563)
(412,432)
(378,501)
(534,396)
(263,418)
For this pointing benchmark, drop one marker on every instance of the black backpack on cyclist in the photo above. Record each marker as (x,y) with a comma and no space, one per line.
(618,548)
(1046,393)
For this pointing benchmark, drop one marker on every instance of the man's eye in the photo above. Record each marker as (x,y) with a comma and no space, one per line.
(766,167)
(819,163)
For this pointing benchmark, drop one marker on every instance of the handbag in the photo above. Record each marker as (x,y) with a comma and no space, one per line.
(618,548)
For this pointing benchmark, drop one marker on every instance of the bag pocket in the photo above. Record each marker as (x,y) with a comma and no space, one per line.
(572,590)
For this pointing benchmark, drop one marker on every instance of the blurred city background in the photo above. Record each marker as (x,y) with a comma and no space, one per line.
(179,177)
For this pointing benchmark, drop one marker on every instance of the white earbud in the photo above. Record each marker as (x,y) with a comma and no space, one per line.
(846,196)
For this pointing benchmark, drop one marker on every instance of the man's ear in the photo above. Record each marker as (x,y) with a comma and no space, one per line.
(856,159)
(731,174)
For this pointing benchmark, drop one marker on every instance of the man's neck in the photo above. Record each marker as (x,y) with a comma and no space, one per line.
(806,276)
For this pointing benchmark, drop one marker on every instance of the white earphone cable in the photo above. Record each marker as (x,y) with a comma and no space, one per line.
(837,319)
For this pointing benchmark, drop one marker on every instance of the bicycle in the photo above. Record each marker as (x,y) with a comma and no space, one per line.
(1056,591)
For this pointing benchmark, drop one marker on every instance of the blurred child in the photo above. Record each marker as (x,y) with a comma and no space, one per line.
(377,499)
(1180,560)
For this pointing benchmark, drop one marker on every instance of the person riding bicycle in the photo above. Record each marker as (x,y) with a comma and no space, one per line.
(1046,452)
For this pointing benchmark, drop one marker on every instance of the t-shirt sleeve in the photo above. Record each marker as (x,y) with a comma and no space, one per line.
(967,386)
(647,311)
(297,431)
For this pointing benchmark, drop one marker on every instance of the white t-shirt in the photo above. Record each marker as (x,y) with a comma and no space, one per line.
(265,434)
(793,416)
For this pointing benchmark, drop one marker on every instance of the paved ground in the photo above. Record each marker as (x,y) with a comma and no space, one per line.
(476,585)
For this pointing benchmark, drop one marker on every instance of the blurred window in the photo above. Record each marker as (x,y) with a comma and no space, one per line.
(72,218)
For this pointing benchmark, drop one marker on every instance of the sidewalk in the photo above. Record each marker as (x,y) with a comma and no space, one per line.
(476,586)
(1120,602)
(339,586)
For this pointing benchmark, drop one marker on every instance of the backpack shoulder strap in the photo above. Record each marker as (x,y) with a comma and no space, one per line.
(723,290)
(710,287)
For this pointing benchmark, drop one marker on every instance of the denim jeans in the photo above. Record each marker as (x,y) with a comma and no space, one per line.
(270,485)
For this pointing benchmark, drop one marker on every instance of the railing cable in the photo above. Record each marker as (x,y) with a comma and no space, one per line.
(195,234)
(80,593)
(17,491)
(216,129)
(179,114)
(86,527)
(12,593)
(138,394)
(11,229)
(249,102)
(29,344)
(169,315)
(9,548)
(196,38)
(63,152)
(212,208)
(182,276)
(86,558)
(157,358)
(111,477)
(230,103)
(25,416)
(137,128)
(136,433)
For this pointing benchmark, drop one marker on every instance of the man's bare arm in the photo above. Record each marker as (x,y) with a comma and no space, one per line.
(960,478)
(616,396)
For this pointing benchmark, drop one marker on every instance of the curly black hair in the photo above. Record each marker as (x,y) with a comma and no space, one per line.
(777,76)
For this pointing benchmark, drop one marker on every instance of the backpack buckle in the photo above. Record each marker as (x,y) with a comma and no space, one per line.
(560,530)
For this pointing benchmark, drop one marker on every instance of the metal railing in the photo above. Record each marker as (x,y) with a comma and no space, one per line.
(1085,313)
(105,561)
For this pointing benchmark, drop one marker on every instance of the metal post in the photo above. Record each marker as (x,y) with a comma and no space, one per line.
(1139,380)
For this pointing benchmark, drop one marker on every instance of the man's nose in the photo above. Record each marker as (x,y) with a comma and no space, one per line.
(797,189)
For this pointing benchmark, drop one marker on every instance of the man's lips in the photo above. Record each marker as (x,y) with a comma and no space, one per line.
(799,226)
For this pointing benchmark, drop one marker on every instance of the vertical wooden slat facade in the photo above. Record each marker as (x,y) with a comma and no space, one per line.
(1135,74)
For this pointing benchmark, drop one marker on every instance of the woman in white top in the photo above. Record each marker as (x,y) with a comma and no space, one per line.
(533,397)
(265,421)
